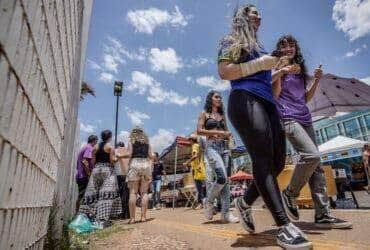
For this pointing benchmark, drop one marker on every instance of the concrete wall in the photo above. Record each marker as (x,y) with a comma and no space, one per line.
(42,51)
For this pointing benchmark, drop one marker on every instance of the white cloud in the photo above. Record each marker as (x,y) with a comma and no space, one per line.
(123,136)
(352,17)
(136,117)
(200,61)
(189,79)
(213,83)
(165,60)
(114,55)
(87,128)
(106,77)
(352,53)
(144,84)
(147,20)
(366,80)
(355,52)
(93,65)
(162,139)
(196,100)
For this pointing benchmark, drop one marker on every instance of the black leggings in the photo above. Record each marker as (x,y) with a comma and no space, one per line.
(258,125)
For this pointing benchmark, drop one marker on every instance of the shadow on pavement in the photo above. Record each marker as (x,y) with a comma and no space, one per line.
(263,239)
(139,221)
(214,222)
(309,227)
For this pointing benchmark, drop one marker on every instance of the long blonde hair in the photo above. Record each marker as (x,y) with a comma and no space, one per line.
(137,134)
(243,36)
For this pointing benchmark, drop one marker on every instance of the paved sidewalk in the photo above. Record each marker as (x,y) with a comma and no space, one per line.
(187,229)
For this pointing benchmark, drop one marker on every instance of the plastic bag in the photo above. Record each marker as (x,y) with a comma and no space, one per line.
(82,224)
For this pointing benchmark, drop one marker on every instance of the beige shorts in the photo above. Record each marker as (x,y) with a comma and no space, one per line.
(139,169)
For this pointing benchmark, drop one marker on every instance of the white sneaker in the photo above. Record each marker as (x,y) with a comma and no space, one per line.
(229,218)
(208,210)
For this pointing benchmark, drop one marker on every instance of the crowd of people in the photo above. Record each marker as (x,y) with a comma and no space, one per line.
(267,105)
(110,179)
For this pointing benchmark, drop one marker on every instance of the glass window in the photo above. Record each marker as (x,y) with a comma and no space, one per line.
(331,132)
(340,129)
(322,136)
(367,120)
(351,128)
(362,125)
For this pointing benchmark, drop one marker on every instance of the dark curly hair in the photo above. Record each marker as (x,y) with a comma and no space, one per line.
(298,57)
(208,104)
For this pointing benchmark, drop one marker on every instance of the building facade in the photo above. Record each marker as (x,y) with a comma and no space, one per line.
(355,125)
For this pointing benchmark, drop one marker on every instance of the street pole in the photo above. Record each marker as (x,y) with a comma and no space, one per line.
(116,128)
(117,93)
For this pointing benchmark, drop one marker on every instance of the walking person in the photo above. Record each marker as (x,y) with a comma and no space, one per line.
(101,201)
(158,171)
(212,124)
(365,159)
(139,174)
(121,167)
(251,109)
(292,92)
(84,167)
(196,162)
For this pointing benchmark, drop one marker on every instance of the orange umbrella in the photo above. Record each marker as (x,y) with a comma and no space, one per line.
(241,176)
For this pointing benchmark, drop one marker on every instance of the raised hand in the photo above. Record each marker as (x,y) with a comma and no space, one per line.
(318,73)
(291,69)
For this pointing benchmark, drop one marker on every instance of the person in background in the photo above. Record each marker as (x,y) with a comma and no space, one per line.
(366,158)
(121,167)
(292,92)
(139,173)
(212,125)
(84,167)
(158,171)
(198,169)
(101,201)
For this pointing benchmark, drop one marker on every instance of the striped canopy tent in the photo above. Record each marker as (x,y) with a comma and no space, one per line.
(338,94)
(174,156)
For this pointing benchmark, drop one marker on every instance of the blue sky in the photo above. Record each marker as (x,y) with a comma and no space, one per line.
(165,53)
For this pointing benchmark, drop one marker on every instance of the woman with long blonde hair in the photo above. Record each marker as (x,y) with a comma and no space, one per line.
(251,109)
(139,174)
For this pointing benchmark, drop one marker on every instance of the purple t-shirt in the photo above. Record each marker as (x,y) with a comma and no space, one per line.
(292,100)
(85,152)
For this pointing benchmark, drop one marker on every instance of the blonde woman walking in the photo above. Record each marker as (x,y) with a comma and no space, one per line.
(139,174)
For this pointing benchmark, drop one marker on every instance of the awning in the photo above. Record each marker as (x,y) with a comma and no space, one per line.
(241,176)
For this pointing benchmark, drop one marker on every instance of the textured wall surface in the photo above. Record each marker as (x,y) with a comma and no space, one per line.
(42,46)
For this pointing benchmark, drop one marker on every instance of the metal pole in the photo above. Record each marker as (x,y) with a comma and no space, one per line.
(116,128)
(174,183)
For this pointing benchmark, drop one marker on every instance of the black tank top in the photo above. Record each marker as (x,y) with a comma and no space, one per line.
(212,123)
(140,150)
(101,155)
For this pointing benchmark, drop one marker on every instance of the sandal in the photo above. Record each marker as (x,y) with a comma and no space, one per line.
(131,221)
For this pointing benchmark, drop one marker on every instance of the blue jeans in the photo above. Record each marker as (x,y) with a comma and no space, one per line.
(216,173)
(201,189)
(156,187)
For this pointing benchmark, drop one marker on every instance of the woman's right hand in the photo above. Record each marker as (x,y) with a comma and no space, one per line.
(291,69)
(225,134)
(282,62)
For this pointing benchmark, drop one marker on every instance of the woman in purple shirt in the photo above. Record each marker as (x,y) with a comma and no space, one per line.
(292,92)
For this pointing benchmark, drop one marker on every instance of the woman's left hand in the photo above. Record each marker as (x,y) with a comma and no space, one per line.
(317,73)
